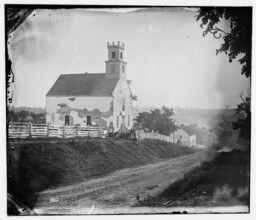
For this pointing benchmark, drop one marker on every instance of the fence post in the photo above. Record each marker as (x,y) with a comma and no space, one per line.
(98,131)
(63,131)
(76,131)
(29,130)
(88,130)
(48,130)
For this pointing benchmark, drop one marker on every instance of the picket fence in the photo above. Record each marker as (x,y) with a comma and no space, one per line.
(141,135)
(28,130)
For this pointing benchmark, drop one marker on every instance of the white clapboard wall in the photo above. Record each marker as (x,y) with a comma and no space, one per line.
(28,130)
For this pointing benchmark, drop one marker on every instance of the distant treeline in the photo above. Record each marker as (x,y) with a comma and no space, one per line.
(26,116)
(28,109)
(204,118)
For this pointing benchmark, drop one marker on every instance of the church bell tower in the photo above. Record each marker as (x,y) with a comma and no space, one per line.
(115,65)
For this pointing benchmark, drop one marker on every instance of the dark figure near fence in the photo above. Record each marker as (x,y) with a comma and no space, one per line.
(131,135)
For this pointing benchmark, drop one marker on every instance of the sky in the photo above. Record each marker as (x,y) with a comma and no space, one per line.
(168,60)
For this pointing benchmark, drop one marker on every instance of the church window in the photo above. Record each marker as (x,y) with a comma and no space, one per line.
(123,104)
(123,68)
(113,55)
(117,121)
(121,55)
(66,119)
(89,120)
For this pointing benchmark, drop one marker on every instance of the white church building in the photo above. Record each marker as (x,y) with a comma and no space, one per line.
(100,99)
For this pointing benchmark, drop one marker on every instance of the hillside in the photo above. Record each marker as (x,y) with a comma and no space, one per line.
(220,182)
(37,166)
(120,189)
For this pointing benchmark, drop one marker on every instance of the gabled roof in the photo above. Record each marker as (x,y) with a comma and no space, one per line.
(83,85)
(189,130)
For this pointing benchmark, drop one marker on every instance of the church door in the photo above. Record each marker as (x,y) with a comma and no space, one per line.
(123,124)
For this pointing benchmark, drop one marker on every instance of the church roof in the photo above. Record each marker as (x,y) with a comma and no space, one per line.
(83,85)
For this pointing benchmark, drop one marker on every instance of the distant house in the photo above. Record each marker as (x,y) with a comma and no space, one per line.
(100,99)
(192,135)
(205,138)
(184,136)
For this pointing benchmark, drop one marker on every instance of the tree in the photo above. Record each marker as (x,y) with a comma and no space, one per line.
(244,120)
(236,42)
(26,116)
(14,16)
(158,120)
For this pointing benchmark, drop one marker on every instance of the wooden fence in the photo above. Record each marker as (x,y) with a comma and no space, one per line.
(141,135)
(28,130)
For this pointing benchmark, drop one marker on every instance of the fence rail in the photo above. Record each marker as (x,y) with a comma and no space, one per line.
(28,130)
(141,135)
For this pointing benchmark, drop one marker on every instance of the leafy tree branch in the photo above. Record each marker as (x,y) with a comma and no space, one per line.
(238,40)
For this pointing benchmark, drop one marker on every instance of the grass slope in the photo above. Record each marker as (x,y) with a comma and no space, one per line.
(42,165)
(223,181)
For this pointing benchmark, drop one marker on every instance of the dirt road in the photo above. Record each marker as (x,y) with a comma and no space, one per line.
(119,189)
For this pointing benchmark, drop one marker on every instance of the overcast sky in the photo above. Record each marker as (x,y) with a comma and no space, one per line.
(168,60)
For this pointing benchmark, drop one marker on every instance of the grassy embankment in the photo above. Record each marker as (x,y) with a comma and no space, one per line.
(223,181)
(37,166)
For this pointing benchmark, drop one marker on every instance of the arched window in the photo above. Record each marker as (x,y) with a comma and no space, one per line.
(113,55)
(123,104)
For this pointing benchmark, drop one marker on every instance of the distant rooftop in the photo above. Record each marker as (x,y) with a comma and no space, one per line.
(189,130)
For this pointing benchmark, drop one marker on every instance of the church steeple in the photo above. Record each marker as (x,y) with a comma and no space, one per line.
(115,65)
